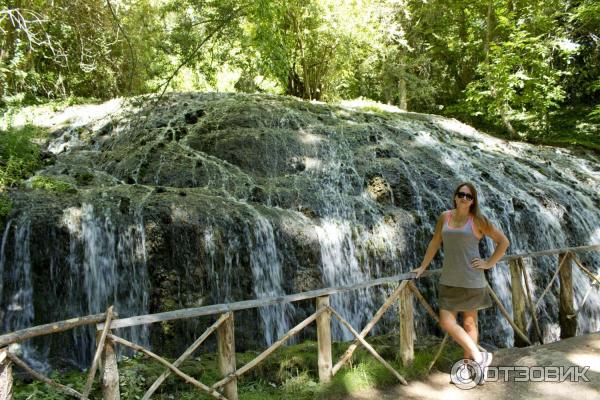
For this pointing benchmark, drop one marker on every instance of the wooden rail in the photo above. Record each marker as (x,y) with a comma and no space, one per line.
(54,327)
(313,294)
(226,388)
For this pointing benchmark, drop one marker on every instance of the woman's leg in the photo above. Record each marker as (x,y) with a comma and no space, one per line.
(449,324)
(470,326)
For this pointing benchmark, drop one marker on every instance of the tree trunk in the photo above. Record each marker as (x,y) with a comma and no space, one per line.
(490,27)
(465,69)
(402,103)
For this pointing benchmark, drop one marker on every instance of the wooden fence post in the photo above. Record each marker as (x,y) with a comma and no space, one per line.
(518,302)
(568,326)
(6,380)
(407,334)
(109,372)
(325,362)
(226,339)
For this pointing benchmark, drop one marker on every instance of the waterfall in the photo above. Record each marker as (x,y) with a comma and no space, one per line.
(107,266)
(268,278)
(19,312)
(221,271)
(261,196)
(341,268)
(3,258)
(339,193)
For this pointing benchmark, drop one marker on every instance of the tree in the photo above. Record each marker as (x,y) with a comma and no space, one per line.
(519,82)
(76,47)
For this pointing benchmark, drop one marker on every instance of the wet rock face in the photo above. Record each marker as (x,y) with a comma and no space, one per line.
(379,190)
(201,199)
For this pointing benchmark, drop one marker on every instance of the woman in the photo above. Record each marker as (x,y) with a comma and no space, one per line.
(462,286)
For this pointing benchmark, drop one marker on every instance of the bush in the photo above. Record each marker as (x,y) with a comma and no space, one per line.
(51,184)
(19,154)
(5,205)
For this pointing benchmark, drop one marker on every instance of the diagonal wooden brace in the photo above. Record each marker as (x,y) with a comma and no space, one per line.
(368,347)
(190,350)
(295,330)
(369,326)
(167,364)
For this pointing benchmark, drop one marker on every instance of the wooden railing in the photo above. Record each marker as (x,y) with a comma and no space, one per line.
(226,388)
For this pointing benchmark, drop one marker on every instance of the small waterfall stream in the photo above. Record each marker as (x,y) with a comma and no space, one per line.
(3,257)
(341,268)
(19,312)
(268,278)
(108,265)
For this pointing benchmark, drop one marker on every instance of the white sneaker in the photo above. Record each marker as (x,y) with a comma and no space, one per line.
(486,361)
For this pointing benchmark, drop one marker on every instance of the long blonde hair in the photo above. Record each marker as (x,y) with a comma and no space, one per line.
(474,208)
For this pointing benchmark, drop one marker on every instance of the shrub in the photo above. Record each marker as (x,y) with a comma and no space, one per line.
(19,154)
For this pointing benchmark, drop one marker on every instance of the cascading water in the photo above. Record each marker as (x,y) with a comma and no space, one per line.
(268,278)
(341,268)
(3,259)
(108,266)
(339,264)
(253,196)
(19,312)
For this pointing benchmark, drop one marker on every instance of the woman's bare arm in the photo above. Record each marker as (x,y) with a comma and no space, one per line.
(499,239)
(433,247)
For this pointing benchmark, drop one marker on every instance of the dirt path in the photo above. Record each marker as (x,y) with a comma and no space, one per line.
(578,351)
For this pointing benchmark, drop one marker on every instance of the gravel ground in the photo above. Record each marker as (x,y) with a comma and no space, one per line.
(579,351)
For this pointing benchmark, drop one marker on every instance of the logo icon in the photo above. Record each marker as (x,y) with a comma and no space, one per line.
(466,374)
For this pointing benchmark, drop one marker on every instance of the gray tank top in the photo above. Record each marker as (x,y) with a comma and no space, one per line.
(460,247)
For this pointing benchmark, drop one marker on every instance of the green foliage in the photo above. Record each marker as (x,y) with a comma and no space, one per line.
(518,84)
(19,154)
(308,46)
(503,66)
(76,48)
(291,372)
(51,184)
(5,205)
(595,113)
(40,391)
(132,379)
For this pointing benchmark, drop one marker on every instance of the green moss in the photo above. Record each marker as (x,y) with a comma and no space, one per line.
(291,372)
(84,178)
(51,184)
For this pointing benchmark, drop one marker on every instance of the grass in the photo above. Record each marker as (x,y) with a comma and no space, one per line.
(290,373)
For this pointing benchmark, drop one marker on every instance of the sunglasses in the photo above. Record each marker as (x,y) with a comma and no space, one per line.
(462,195)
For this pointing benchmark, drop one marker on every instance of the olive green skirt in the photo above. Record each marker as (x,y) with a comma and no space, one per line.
(454,298)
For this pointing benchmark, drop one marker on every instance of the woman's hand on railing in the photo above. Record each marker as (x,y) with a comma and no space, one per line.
(419,271)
